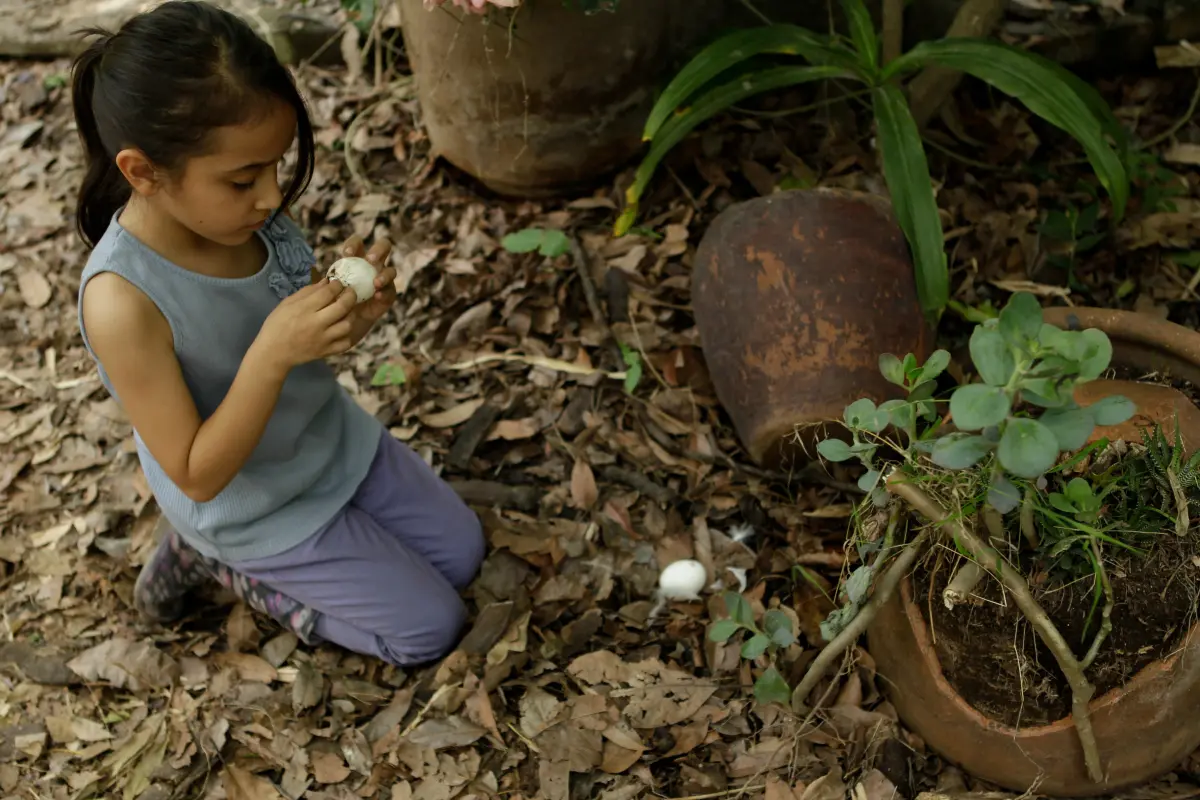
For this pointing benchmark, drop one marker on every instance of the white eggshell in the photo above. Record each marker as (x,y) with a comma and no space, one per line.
(357,274)
(682,580)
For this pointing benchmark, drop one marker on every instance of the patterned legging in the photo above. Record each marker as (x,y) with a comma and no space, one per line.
(176,568)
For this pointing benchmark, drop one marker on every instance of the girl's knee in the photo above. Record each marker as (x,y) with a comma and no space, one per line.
(468,547)
(440,631)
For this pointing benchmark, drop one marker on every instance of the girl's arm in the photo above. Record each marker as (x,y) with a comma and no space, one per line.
(133,341)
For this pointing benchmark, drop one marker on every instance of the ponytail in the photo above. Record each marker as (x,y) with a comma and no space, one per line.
(104,189)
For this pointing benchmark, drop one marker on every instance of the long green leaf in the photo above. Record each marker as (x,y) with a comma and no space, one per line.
(907,174)
(862,32)
(734,48)
(704,107)
(1045,91)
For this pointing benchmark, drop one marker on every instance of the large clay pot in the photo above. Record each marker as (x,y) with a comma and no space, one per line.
(1143,728)
(795,297)
(555,99)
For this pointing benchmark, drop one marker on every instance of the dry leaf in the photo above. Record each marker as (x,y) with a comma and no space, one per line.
(584,493)
(249,667)
(329,767)
(240,629)
(456,415)
(126,664)
(243,785)
(35,289)
(512,430)
(442,733)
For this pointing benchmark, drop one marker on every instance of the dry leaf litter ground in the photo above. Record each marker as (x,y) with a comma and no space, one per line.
(573,681)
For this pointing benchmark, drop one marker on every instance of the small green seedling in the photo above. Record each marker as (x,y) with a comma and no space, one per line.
(389,374)
(633,366)
(775,634)
(547,242)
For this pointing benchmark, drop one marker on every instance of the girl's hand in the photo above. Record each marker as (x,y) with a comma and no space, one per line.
(311,324)
(366,314)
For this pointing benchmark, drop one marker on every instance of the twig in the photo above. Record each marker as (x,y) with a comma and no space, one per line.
(893,29)
(492,494)
(1081,689)
(555,364)
(930,89)
(702,544)
(636,480)
(1177,124)
(962,585)
(583,269)
(849,635)
(1106,614)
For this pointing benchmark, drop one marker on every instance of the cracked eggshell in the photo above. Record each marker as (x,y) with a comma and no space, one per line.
(355,273)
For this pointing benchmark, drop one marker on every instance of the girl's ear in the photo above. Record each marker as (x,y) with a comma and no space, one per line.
(139,171)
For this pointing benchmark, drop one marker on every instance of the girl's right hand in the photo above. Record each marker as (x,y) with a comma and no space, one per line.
(310,324)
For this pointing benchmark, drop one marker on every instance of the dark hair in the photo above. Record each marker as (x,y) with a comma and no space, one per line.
(161,84)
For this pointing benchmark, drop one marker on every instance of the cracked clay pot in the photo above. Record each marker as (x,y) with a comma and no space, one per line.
(795,296)
(1143,728)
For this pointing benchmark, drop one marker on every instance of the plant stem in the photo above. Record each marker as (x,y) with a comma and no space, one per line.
(1028,527)
(1106,614)
(849,635)
(1182,518)
(962,585)
(1081,689)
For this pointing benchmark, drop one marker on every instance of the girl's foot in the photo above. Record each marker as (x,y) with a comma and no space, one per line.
(176,568)
(172,571)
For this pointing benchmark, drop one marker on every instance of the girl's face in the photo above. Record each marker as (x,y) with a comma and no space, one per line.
(228,193)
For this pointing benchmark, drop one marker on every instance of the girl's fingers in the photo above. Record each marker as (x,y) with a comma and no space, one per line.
(379,252)
(353,246)
(385,278)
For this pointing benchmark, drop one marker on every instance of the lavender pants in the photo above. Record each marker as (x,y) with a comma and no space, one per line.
(384,575)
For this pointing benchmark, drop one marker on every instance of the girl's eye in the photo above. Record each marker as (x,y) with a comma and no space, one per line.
(241,187)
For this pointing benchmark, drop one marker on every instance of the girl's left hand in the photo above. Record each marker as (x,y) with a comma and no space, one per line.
(366,314)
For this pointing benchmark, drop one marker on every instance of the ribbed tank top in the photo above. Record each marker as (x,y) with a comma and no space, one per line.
(318,444)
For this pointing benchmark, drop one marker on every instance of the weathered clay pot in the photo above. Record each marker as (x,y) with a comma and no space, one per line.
(795,297)
(554,100)
(1144,728)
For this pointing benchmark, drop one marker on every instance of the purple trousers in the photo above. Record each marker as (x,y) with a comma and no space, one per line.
(384,575)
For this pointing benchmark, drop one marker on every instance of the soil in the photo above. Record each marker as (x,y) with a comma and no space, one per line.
(994,659)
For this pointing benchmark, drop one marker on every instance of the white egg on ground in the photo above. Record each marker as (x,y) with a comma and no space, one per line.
(682,580)
(357,274)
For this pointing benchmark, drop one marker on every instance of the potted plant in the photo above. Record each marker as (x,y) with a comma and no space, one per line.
(535,96)
(1027,551)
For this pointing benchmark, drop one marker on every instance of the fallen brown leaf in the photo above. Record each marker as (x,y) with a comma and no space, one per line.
(584,492)
(242,785)
(35,289)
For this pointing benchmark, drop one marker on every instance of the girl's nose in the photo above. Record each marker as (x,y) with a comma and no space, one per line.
(270,198)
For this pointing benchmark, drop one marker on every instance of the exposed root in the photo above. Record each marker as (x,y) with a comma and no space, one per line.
(962,585)
(849,635)
(1081,689)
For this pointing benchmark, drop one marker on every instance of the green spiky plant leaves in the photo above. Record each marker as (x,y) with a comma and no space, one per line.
(726,72)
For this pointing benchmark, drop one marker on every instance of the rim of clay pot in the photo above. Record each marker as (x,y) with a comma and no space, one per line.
(1139,340)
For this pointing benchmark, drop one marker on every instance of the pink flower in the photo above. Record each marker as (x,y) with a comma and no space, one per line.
(474,6)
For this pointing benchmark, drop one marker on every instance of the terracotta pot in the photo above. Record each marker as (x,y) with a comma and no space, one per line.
(1143,728)
(554,100)
(1139,341)
(795,296)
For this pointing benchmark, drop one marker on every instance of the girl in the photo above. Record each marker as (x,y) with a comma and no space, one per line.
(199,306)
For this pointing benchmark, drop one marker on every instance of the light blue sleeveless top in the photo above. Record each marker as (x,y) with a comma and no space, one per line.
(318,445)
